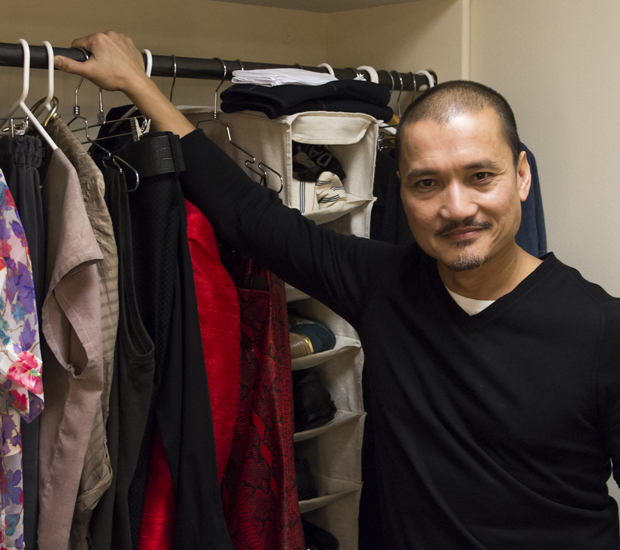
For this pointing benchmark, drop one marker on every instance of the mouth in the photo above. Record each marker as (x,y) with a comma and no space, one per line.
(466,230)
(463,234)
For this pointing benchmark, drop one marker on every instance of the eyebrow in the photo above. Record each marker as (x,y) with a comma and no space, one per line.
(478,165)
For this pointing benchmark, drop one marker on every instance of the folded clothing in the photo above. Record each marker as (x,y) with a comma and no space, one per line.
(309,336)
(280,77)
(349,96)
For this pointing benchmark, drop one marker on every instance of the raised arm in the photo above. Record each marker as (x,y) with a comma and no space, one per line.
(116,64)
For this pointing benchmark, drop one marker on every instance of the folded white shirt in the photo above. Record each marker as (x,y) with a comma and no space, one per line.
(279,77)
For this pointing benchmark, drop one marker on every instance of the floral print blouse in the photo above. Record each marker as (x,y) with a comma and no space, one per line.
(21,388)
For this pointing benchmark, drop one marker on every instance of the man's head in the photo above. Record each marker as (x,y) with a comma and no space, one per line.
(448,99)
(462,174)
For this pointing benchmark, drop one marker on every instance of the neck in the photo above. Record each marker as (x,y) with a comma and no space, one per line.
(495,278)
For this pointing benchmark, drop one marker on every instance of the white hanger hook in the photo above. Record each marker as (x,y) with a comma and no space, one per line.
(25,83)
(429,76)
(328,67)
(47,102)
(374,76)
(149,62)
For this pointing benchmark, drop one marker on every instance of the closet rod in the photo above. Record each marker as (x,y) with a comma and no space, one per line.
(11,55)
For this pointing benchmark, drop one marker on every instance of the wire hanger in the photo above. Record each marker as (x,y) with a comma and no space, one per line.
(218,121)
(400,91)
(22,99)
(174,75)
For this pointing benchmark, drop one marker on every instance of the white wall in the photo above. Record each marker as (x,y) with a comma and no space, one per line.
(405,37)
(558,64)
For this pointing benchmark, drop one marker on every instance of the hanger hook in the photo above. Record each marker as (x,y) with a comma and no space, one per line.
(76,109)
(240,64)
(174,75)
(392,79)
(400,91)
(415,85)
(217,90)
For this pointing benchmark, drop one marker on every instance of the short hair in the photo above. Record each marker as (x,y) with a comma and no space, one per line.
(449,99)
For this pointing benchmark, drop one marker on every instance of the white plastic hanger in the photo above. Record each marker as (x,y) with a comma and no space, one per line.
(21,102)
(148,69)
(429,76)
(47,102)
(328,67)
(374,76)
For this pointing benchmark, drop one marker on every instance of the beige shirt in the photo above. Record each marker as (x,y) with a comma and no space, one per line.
(72,356)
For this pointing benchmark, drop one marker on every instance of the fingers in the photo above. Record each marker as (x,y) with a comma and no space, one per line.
(68,65)
(114,63)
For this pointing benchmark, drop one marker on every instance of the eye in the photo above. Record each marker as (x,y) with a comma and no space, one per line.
(481,176)
(425,184)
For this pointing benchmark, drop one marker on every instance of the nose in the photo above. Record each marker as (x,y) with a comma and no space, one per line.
(457,202)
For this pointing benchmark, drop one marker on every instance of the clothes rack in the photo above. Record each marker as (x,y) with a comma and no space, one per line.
(11,55)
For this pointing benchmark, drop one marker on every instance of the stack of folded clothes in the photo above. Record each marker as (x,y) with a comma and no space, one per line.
(348,96)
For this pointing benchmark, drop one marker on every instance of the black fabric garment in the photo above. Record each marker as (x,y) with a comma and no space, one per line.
(20,159)
(348,96)
(388,221)
(166,300)
(310,160)
(494,431)
(531,236)
(134,364)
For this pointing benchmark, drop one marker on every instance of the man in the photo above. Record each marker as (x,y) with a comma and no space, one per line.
(496,387)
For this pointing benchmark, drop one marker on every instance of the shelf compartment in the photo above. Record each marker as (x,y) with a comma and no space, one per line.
(341,418)
(339,489)
(343,345)
(292,294)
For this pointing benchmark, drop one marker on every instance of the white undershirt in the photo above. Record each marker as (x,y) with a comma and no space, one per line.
(470,305)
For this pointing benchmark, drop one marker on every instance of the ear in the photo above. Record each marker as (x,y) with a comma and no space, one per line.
(524,176)
(398,174)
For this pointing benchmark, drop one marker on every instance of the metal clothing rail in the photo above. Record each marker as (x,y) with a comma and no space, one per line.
(11,55)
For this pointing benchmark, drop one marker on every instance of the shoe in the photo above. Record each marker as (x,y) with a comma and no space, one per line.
(313,404)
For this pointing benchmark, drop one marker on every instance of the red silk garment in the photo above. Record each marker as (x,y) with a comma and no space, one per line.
(258,490)
(218,310)
(157,525)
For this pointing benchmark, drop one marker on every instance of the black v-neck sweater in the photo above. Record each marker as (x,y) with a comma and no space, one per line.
(493,431)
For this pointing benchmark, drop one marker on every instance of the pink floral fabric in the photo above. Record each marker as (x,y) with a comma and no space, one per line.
(21,388)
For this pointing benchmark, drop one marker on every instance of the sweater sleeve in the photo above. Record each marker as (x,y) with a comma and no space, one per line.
(336,269)
(609,384)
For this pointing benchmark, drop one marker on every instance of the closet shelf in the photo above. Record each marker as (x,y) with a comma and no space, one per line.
(343,345)
(341,417)
(326,500)
(330,214)
(292,294)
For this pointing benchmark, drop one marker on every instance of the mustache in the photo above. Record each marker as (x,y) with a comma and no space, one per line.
(465,224)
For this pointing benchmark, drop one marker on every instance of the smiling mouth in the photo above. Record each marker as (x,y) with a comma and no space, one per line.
(461,231)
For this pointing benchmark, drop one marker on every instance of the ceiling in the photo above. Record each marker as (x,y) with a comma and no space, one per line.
(323,6)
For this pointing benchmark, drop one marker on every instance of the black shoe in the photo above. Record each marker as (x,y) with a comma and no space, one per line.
(313,403)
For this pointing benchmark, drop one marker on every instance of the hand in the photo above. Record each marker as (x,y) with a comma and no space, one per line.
(114,64)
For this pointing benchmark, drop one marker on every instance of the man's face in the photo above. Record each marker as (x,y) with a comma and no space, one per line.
(460,189)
